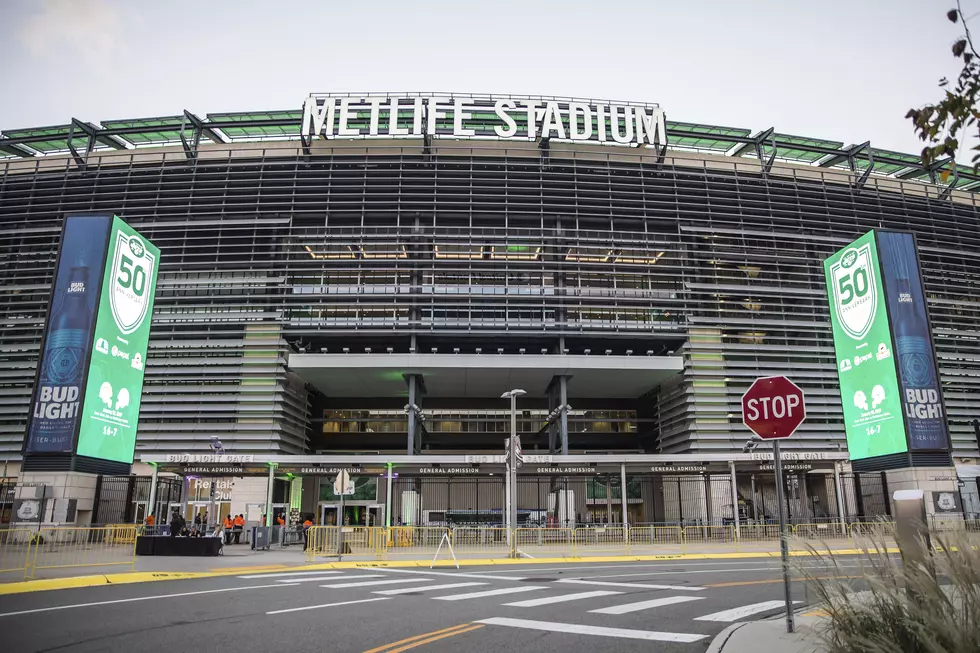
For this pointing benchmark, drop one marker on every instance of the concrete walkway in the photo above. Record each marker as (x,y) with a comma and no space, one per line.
(770,636)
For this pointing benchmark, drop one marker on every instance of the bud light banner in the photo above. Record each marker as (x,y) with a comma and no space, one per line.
(111,406)
(925,416)
(68,336)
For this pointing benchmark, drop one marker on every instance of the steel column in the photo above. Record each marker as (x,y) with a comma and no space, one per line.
(840,499)
(738,531)
(153,492)
(268,494)
(622,493)
(563,385)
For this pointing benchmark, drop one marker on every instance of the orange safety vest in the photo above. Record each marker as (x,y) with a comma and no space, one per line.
(239,521)
(150,520)
(307,523)
(280,520)
(229,523)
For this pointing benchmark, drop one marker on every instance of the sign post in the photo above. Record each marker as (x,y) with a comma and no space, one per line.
(341,487)
(773,408)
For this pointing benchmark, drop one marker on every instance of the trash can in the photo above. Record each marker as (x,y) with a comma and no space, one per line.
(261,537)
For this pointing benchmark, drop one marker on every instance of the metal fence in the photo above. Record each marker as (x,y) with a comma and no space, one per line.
(25,550)
(125,499)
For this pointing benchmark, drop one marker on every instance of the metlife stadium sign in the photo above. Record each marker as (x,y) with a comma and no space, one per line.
(890,395)
(486,117)
(90,376)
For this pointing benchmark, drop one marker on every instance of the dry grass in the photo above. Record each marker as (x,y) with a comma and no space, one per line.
(897,607)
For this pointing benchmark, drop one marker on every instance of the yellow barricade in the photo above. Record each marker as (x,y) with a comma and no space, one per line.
(877,530)
(15,550)
(482,541)
(123,533)
(539,541)
(64,546)
(656,538)
(758,532)
(820,532)
(709,535)
(600,539)
(412,541)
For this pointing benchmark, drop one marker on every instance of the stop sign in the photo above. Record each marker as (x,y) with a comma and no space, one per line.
(773,407)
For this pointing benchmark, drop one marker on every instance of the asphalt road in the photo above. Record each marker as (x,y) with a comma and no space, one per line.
(622,607)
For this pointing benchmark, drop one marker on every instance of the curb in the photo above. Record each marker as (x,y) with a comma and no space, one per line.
(20,587)
(718,643)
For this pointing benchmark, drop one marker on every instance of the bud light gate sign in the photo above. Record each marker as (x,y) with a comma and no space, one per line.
(91,370)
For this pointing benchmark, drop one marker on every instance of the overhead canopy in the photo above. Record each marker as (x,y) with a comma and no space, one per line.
(483,375)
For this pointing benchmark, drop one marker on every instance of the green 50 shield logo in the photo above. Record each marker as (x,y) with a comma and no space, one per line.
(132,275)
(855,291)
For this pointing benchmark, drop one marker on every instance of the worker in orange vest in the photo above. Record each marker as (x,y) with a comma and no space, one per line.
(150,520)
(229,525)
(239,527)
(280,520)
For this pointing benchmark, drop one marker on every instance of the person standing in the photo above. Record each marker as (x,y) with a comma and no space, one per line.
(229,525)
(177,524)
(239,527)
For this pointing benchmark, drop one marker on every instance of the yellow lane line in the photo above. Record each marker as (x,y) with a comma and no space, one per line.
(767,581)
(428,637)
(433,639)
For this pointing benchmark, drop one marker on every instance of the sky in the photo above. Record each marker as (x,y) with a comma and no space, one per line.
(845,70)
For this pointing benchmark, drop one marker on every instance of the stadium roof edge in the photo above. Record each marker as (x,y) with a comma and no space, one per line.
(231,127)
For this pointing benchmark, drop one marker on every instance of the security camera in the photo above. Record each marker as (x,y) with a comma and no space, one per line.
(749,446)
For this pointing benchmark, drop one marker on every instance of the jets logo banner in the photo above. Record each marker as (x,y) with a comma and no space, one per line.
(111,405)
(865,354)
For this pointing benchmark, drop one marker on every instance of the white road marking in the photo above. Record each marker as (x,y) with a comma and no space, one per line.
(666,563)
(548,600)
(141,598)
(678,588)
(454,575)
(372,583)
(315,579)
(328,605)
(646,605)
(744,611)
(579,629)
(496,592)
(425,588)
(289,574)
(681,573)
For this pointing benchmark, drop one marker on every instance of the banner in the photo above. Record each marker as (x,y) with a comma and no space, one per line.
(925,416)
(111,405)
(67,336)
(870,396)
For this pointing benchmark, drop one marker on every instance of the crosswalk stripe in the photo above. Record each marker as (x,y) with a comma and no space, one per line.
(455,574)
(372,583)
(496,592)
(646,605)
(290,574)
(743,611)
(676,588)
(548,600)
(426,588)
(327,605)
(598,631)
(323,578)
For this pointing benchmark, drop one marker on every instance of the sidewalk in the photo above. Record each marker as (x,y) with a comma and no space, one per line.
(770,636)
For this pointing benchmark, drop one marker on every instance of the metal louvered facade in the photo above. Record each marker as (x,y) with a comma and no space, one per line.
(480,245)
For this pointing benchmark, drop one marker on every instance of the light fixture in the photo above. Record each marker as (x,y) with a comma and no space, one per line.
(323,350)
(479,351)
(522,350)
(649,352)
(367,350)
(608,351)
(588,351)
(629,352)
(435,350)
(500,350)
(544,351)
(390,350)
(346,350)
(455,350)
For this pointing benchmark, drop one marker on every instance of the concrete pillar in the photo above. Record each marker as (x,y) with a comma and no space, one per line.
(151,508)
(411,414)
(563,392)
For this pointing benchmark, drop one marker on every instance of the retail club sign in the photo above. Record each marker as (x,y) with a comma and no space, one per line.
(483,117)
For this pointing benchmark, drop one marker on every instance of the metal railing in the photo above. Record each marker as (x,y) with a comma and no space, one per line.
(15,550)
(25,550)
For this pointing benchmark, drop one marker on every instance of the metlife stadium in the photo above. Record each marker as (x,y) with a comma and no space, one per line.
(334,282)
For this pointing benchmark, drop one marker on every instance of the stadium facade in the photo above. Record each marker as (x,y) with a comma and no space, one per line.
(336,283)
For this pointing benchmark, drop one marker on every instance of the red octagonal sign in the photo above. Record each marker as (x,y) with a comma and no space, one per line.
(773,407)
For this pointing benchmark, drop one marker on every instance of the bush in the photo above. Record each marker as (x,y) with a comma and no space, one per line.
(892,607)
